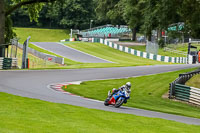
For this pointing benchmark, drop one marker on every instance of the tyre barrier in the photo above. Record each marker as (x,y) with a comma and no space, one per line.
(8,63)
(187,94)
(178,90)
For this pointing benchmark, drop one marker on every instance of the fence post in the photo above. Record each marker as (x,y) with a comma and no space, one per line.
(25,51)
(170,90)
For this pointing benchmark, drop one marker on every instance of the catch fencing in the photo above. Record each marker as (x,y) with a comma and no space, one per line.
(178,90)
(152,47)
(195,40)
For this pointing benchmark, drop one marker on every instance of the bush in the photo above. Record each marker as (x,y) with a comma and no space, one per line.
(161,43)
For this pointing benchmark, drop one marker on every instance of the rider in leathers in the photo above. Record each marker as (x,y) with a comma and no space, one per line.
(127,86)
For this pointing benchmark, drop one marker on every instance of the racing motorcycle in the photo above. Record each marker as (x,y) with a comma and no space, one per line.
(117,98)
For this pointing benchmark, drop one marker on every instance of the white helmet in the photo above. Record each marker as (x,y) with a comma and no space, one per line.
(128,85)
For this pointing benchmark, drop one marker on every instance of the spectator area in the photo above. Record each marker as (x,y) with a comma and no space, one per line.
(106,31)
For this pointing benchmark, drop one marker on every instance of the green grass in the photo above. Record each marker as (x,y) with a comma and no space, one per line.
(105,52)
(146,92)
(66,60)
(161,51)
(183,47)
(25,115)
(44,35)
(194,81)
(121,59)
(36,62)
(41,35)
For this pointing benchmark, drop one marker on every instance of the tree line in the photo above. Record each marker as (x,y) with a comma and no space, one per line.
(74,14)
(148,15)
(140,15)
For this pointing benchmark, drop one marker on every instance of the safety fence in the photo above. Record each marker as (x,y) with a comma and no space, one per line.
(178,90)
(140,53)
(175,51)
(44,56)
(8,63)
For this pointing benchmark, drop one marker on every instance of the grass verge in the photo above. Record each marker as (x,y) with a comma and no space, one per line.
(41,35)
(194,81)
(146,93)
(161,51)
(44,35)
(105,52)
(36,62)
(66,60)
(22,115)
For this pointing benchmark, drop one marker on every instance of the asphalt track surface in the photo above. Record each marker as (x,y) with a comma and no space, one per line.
(70,53)
(34,84)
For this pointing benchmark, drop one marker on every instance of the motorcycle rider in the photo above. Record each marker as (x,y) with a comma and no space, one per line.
(127,87)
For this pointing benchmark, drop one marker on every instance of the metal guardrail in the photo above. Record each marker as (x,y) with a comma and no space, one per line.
(195,41)
(175,51)
(182,79)
(44,56)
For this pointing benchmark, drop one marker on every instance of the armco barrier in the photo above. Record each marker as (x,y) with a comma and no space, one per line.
(140,53)
(44,56)
(8,63)
(180,91)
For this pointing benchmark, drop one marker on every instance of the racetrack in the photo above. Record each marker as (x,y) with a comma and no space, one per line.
(34,84)
(70,53)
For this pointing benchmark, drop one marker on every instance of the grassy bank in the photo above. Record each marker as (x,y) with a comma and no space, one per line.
(36,62)
(120,59)
(24,115)
(116,56)
(194,81)
(66,60)
(161,51)
(146,92)
(41,35)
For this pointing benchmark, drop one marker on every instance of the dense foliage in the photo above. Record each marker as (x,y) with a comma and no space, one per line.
(74,14)
(139,15)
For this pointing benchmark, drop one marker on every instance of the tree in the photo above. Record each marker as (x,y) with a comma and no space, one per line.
(159,14)
(189,11)
(76,13)
(133,14)
(7,7)
(104,10)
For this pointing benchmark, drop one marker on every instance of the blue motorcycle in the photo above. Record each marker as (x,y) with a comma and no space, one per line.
(117,99)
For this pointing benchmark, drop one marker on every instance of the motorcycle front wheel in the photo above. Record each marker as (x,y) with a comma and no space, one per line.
(119,102)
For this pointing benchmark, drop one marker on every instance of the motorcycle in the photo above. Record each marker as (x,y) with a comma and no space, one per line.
(117,98)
